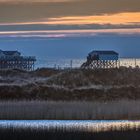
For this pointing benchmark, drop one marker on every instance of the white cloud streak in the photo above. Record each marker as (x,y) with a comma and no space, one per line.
(67,33)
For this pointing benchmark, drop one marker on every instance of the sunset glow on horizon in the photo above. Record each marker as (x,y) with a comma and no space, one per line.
(70,27)
(70,14)
(114,19)
(120,18)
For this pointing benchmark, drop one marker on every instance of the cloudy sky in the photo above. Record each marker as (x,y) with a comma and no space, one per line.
(68,20)
(91,13)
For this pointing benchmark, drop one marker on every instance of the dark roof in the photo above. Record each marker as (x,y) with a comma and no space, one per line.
(10,52)
(104,52)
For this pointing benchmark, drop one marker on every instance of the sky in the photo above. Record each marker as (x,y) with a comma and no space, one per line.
(70,28)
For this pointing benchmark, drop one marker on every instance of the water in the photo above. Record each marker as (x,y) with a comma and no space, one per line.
(76,63)
(89,126)
(69,130)
(60,63)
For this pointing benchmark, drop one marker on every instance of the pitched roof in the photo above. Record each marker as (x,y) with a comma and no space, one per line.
(10,52)
(104,52)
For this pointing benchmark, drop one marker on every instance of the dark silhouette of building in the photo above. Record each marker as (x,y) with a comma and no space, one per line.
(101,59)
(14,60)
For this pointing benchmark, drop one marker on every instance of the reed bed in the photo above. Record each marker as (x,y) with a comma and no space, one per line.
(70,110)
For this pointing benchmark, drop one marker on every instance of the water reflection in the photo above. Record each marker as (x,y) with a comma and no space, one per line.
(88,126)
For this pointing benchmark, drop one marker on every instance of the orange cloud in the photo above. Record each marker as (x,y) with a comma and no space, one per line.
(130,18)
(121,18)
(35,10)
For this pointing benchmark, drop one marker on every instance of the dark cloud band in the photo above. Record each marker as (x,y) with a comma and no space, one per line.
(23,12)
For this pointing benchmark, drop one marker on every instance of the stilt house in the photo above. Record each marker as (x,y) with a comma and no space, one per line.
(14,60)
(101,59)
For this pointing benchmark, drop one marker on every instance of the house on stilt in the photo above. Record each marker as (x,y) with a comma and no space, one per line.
(101,59)
(14,60)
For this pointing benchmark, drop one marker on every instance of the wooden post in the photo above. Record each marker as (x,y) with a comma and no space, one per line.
(119,63)
(71,63)
(135,62)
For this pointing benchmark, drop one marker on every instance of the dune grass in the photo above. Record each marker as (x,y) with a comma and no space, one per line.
(70,85)
(64,110)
